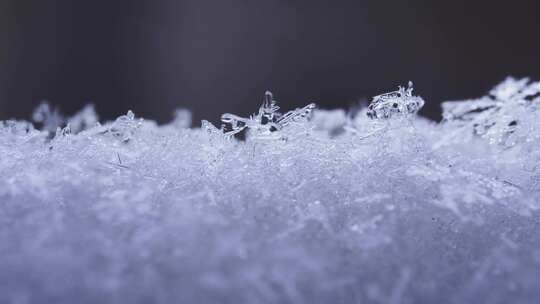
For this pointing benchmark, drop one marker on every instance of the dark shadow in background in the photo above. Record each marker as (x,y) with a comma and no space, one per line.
(219,56)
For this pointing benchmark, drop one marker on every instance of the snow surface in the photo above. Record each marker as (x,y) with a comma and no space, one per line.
(310,206)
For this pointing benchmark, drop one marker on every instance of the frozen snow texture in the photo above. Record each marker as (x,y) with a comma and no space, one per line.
(510,115)
(335,209)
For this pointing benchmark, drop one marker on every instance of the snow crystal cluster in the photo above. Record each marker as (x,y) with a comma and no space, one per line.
(309,206)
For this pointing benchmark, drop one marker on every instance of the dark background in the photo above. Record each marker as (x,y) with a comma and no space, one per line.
(221,55)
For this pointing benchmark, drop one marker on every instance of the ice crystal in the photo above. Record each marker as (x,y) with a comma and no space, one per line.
(266,121)
(314,206)
(125,126)
(400,102)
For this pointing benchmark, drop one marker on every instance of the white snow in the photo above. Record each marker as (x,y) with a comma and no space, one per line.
(341,208)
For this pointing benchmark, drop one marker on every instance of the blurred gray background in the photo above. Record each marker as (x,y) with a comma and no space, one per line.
(215,56)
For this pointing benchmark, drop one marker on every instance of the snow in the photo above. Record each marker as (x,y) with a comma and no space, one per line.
(310,206)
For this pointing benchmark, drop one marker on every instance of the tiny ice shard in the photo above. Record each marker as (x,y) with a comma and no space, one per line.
(125,126)
(269,108)
(208,127)
(400,102)
(267,120)
(233,124)
(296,115)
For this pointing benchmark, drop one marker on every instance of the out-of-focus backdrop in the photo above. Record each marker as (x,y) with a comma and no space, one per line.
(215,56)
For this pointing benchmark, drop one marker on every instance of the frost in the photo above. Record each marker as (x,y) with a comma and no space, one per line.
(309,206)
